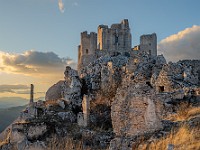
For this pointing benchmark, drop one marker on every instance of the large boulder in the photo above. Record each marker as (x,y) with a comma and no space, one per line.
(54,92)
(136,109)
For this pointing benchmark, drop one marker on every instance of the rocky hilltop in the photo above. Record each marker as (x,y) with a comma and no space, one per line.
(112,104)
(120,98)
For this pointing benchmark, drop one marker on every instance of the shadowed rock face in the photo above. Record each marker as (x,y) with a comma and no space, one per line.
(54,92)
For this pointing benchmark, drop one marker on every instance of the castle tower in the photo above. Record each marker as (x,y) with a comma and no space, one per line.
(103,37)
(148,43)
(31,93)
(117,38)
(86,51)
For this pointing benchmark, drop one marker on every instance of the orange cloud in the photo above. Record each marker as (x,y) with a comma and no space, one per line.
(14,88)
(34,62)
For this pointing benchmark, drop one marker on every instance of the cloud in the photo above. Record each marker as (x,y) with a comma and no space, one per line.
(61,6)
(16,89)
(22,92)
(13,88)
(7,102)
(183,45)
(69,3)
(34,62)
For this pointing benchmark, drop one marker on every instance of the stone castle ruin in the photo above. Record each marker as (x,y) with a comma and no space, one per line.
(112,41)
(118,97)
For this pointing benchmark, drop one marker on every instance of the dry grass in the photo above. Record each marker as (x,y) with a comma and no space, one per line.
(183,139)
(184,112)
(65,143)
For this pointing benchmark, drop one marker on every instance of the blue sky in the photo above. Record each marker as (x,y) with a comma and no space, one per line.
(39,25)
(37,37)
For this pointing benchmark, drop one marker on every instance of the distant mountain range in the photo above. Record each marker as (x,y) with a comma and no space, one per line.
(8,115)
(10,108)
(7,102)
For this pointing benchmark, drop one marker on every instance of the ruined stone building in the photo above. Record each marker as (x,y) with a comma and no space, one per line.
(120,98)
(112,41)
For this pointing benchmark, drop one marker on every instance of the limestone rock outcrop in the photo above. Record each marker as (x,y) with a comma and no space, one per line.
(136,109)
(102,77)
(120,98)
(179,77)
(71,89)
(126,98)
(68,90)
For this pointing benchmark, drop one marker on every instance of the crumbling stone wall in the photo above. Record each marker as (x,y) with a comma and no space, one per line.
(116,38)
(111,40)
(148,43)
(86,51)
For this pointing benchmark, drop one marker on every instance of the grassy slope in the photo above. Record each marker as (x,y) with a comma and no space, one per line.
(183,138)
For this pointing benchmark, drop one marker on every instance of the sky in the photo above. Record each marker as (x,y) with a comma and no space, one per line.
(38,38)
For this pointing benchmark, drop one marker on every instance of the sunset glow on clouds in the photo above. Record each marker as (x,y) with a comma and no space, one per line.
(34,62)
(18,71)
(14,88)
(183,45)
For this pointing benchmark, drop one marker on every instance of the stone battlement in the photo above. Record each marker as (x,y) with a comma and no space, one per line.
(111,40)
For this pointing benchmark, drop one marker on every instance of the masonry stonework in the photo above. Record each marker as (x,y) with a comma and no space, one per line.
(86,51)
(112,41)
(148,44)
(116,38)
